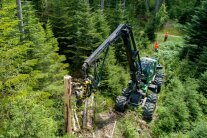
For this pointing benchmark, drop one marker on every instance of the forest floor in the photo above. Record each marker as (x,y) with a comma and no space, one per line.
(106,124)
(110,124)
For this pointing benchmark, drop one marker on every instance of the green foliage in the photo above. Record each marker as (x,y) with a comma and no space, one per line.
(182,10)
(48,66)
(178,112)
(142,42)
(200,131)
(63,27)
(136,12)
(128,126)
(202,62)
(182,104)
(114,77)
(31,71)
(184,70)
(102,101)
(31,76)
(175,135)
(27,116)
(161,16)
(101,25)
(174,28)
(203,103)
(156,22)
(80,34)
(150,29)
(203,84)
(12,52)
(115,14)
(192,97)
(195,40)
(175,117)
(86,34)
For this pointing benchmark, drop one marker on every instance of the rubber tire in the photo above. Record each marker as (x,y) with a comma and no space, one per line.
(148,110)
(155,90)
(158,88)
(152,98)
(158,81)
(121,102)
(126,93)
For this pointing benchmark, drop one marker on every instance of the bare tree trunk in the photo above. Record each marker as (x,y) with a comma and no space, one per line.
(157,6)
(102,4)
(147,4)
(124,3)
(19,15)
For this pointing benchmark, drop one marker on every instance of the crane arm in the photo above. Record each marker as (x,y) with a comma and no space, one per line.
(125,32)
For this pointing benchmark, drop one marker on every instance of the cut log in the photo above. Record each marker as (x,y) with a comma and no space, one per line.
(76,120)
(67,104)
(85,113)
(90,113)
(74,123)
(113,130)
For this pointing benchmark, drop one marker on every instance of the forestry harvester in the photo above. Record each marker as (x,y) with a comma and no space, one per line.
(145,74)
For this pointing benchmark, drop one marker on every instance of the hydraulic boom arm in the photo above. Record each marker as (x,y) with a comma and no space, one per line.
(125,32)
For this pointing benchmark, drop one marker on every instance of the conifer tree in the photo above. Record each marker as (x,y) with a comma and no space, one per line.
(196,41)
(48,67)
(203,84)
(116,14)
(12,52)
(23,114)
(101,25)
(64,25)
(73,25)
(200,130)
(31,74)
(87,39)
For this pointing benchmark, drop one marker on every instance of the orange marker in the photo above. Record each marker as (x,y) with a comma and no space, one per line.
(166,36)
(156,46)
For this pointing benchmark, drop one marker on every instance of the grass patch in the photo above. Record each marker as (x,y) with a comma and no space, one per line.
(103,103)
(173,28)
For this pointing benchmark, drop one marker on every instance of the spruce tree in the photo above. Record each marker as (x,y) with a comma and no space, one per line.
(31,76)
(115,14)
(101,25)
(86,35)
(114,76)
(203,84)
(48,66)
(150,29)
(64,25)
(196,41)
(12,52)
(23,114)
